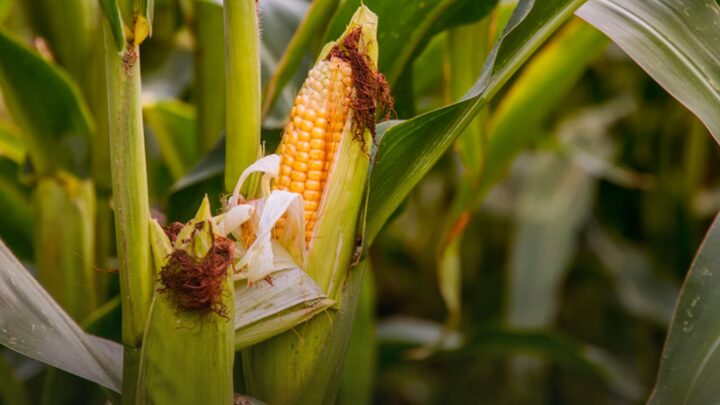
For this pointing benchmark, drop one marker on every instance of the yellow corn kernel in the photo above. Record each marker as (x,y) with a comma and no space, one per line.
(311,137)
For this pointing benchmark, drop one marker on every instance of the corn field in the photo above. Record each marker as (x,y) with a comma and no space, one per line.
(356,202)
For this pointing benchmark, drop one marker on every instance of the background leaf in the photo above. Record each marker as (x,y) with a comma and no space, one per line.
(173,125)
(47,107)
(409,149)
(691,360)
(32,323)
(675,42)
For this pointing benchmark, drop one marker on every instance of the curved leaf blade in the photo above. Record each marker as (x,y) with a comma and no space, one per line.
(691,359)
(404,25)
(45,104)
(675,42)
(409,149)
(31,323)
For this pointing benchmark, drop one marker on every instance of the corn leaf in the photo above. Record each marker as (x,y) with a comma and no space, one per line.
(675,42)
(5,6)
(11,145)
(691,360)
(581,358)
(111,9)
(172,123)
(46,105)
(404,26)
(32,324)
(555,201)
(16,229)
(537,92)
(410,148)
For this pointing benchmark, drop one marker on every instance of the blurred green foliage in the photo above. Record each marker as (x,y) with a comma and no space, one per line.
(574,248)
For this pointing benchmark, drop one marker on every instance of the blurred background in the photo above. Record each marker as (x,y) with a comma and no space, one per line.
(554,281)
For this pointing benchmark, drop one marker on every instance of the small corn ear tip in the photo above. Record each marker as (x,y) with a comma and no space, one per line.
(195,269)
(196,284)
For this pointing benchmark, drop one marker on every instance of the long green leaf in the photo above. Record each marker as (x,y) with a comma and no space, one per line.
(111,9)
(409,149)
(46,105)
(691,359)
(546,80)
(16,229)
(675,42)
(11,145)
(33,324)
(173,124)
(405,25)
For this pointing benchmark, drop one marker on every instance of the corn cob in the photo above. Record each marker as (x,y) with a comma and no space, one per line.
(312,136)
(286,368)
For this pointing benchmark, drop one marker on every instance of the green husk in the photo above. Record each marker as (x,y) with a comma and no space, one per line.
(187,356)
(266,310)
(303,366)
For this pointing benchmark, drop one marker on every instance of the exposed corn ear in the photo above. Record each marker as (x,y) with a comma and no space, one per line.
(188,348)
(337,104)
(313,135)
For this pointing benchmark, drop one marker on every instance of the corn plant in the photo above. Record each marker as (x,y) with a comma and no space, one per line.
(195,192)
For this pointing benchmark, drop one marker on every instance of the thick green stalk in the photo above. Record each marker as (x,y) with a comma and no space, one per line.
(130,197)
(210,67)
(242,69)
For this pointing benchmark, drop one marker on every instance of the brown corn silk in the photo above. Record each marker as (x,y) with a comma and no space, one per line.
(196,284)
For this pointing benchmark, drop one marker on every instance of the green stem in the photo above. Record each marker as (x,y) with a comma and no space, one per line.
(243,120)
(130,197)
(210,62)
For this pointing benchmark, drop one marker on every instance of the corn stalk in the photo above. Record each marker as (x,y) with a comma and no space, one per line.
(123,36)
